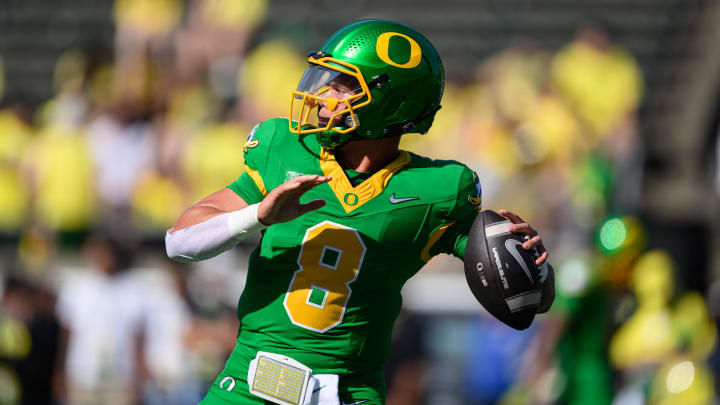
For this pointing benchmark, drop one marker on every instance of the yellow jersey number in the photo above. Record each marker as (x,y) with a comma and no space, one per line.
(330,258)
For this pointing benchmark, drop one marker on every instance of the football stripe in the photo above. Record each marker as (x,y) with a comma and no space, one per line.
(497,229)
(521,301)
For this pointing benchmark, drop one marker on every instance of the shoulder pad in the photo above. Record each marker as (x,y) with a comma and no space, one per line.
(258,143)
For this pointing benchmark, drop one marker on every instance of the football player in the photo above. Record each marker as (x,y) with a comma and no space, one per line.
(347,218)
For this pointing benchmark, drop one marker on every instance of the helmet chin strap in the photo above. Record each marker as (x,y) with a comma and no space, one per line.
(331,139)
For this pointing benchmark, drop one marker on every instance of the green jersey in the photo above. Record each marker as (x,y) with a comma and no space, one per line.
(325,287)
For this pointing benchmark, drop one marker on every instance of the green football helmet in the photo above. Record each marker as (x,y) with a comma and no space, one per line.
(395,77)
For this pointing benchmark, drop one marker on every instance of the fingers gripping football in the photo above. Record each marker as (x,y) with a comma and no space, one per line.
(282,204)
(534,241)
(500,273)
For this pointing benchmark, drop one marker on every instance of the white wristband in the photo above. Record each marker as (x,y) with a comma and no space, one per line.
(244,222)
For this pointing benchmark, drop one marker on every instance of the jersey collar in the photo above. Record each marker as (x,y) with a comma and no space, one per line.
(352,198)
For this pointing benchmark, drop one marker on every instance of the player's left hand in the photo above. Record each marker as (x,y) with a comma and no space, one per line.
(534,241)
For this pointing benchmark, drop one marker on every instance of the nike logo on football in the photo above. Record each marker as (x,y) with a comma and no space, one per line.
(394,200)
(512,246)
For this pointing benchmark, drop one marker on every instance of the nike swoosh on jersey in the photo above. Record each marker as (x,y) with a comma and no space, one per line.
(512,246)
(354,403)
(394,200)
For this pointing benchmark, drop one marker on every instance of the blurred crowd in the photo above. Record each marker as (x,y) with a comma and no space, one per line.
(93,313)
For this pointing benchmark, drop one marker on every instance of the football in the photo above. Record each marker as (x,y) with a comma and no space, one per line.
(500,272)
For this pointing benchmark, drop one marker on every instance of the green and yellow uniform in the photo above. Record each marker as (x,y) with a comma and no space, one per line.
(324,288)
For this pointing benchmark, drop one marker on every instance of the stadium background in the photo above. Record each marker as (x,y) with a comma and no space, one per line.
(597,120)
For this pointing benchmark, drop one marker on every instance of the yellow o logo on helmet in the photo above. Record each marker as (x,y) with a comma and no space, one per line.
(382,48)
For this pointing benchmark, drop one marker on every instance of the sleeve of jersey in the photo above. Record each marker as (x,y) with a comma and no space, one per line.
(452,235)
(250,185)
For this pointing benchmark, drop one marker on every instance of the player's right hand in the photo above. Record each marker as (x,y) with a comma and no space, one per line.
(282,204)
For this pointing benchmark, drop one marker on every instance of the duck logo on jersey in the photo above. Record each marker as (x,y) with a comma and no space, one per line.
(251,143)
(476,200)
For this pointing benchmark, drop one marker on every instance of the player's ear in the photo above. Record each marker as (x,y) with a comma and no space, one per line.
(547,296)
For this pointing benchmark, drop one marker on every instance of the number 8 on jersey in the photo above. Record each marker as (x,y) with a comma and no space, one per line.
(329,261)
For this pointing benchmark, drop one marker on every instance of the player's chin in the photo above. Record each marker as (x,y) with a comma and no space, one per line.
(323,121)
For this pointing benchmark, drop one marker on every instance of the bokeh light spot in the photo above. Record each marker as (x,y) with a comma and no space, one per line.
(680,377)
(573,276)
(613,234)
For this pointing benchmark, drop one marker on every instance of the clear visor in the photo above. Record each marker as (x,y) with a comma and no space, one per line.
(326,99)
(317,80)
